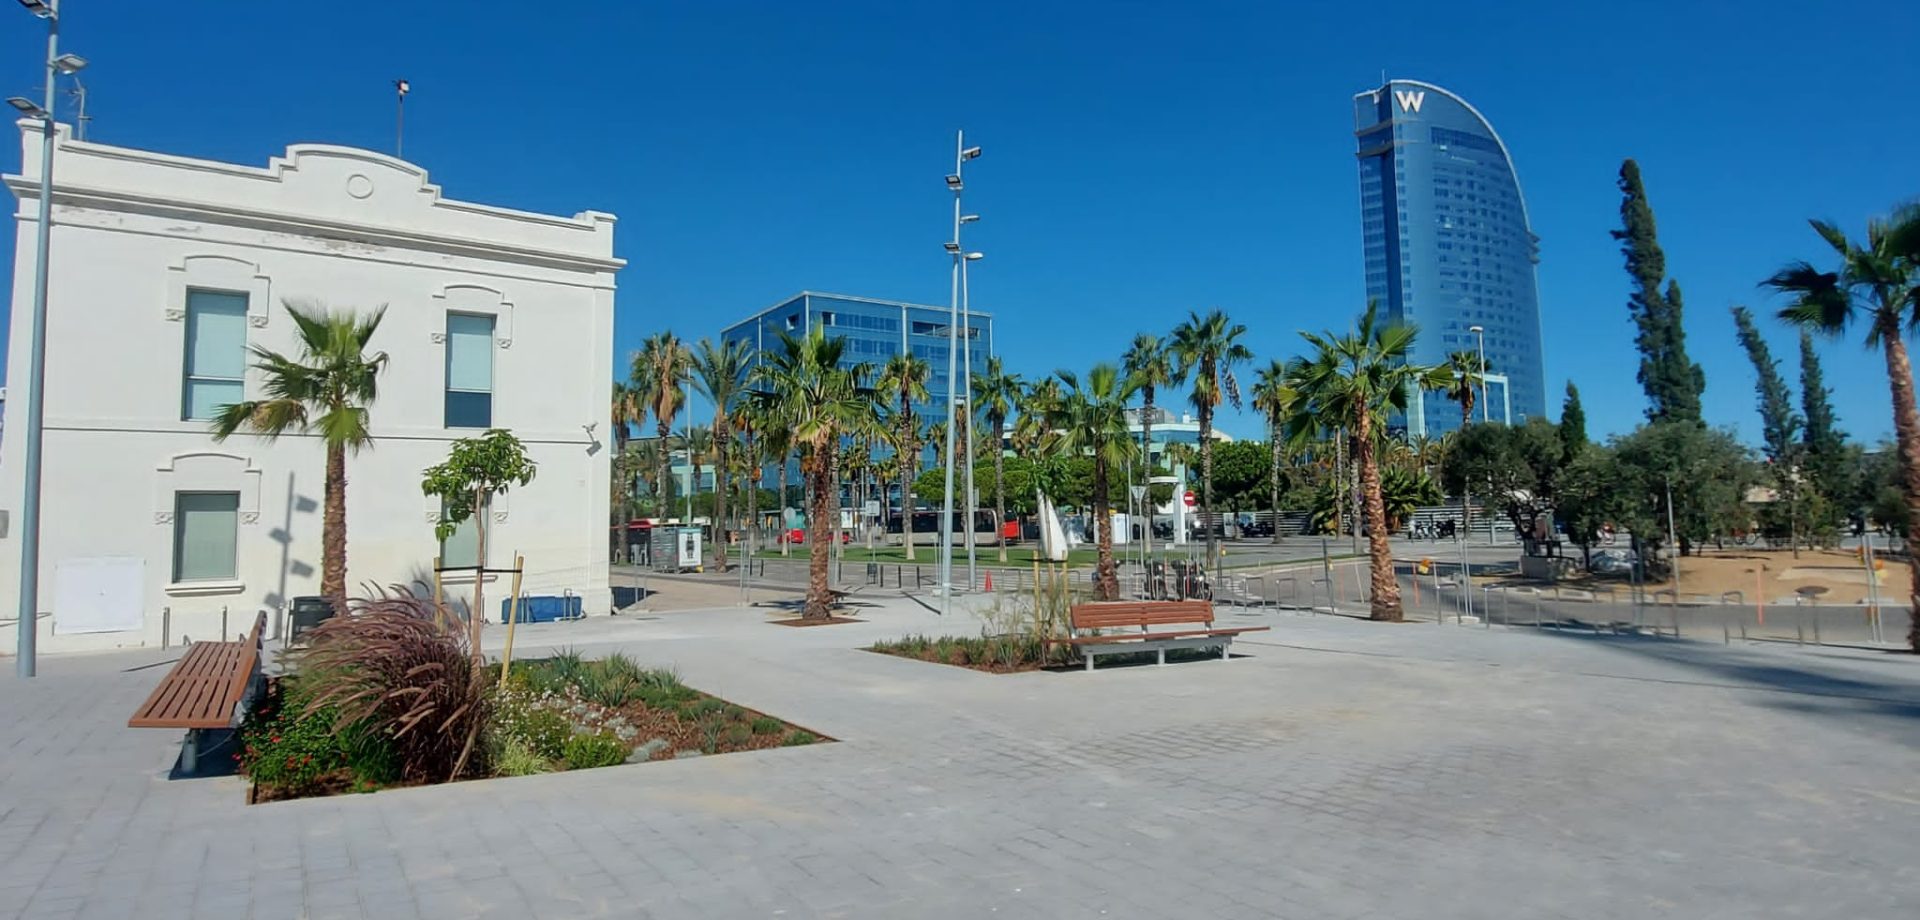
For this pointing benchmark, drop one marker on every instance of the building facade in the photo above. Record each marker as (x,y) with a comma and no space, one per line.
(874,330)
(166,271)
(1447,241)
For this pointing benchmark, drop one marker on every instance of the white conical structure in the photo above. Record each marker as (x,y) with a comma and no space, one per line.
(1053,534)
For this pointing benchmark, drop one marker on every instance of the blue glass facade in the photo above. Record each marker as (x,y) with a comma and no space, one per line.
(874,330)
(1447,242)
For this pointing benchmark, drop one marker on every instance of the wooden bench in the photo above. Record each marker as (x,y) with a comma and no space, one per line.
(204,690)
(1157,623)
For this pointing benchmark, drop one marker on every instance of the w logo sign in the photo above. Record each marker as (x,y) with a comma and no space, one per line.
(1410,99)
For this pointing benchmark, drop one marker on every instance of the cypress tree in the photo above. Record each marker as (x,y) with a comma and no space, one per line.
(1672,383)
(1779,424)
(1825,444)
(1573,425)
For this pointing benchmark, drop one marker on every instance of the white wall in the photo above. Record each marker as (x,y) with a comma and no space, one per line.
(347,228)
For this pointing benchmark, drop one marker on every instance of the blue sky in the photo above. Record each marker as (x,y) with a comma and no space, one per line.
(1141,159)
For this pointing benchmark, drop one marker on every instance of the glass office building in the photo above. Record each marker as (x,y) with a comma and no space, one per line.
(874,330)
(1447,241)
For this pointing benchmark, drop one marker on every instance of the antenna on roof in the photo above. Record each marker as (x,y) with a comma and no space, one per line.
(400,88)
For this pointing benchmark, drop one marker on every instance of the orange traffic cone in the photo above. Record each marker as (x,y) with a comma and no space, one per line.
(989,581)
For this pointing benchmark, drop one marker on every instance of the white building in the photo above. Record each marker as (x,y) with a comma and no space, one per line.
(166,269)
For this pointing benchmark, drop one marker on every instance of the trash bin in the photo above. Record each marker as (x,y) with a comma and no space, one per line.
(308,612)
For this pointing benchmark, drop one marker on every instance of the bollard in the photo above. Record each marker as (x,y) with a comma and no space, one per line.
(223,622)
(1726,635)
(1801,631)
(1816,627)
(166,627)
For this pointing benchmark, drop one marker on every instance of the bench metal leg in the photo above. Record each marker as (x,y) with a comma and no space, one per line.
(1163,655)
(190,752)
(1090,660)
(1225,647)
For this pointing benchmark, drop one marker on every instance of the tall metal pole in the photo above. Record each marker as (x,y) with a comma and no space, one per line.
(1673,541)
(953,353)
(400,88)
(966,395)
(1485,406)
(29,606)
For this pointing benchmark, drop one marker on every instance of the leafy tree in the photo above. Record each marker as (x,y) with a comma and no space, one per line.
(476,469)
(1206,350)
(1352,380)
(818,400)
(1878,280)
(720,374)
(327,391)
(1706,471)
(1517,465)
(1672,382)
(996,393)
(1779,424)
(1240,471)
(1592,492)
(659,370)
(1573,425)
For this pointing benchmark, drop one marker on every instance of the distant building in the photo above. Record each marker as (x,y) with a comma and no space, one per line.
(874,330)
(1447,241)
(166,270)
(1170,429)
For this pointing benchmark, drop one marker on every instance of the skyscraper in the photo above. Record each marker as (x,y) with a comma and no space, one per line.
(1448,245)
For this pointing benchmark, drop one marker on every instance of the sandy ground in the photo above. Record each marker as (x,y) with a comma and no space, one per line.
(1777,574)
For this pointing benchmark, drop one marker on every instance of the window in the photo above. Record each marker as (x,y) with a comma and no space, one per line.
(463,546)
(216,359)
(826,318)
(205,535)
(469,371)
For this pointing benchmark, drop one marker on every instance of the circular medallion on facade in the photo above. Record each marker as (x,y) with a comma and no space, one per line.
(359,186)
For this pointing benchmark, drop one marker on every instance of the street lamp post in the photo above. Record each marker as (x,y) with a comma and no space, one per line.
(966,398)
(29,605)
(961,154)
(1486,407)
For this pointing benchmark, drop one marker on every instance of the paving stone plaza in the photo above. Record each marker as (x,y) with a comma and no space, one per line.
(1333,769)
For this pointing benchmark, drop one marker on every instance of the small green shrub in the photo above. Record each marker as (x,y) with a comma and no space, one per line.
(706,708)
(737,735)
(284,747)
(585,752)
(512,757)
(764,725)
(798,737)
(520,718)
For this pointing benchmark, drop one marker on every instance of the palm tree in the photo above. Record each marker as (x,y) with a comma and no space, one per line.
(1352,381)
(1274,399)
(626,411)
(647,463)
(720,374)
(326,391)
(1150,363)
(1465,371)
(697,441)
(1092,420)
(996,392)
(1206,349)
(903,380)
(1879,282)
(818,401)
(659,369)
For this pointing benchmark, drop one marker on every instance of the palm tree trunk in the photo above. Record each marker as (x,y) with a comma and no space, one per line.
(1106,578)
(666,464)
(720,529)
(999,490)
(1906,428)
(819,604)
(1273,483)
(1206,484)
(785,547)
(1384,598)
(333,527)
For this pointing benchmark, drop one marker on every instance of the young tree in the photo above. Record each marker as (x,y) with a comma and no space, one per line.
(818,401)
(1353,380)
(1779,424)
(1465,372)
(904,380)
(1092,420)
(327,391)
(659,370)
(720,374)
(1518,466)
(1573,425)
(1206,350)
(1274,399)
(1672,382)
(476,469)
(1878,280)
(996,393)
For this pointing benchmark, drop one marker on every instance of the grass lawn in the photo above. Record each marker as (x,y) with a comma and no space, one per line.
(1017,556)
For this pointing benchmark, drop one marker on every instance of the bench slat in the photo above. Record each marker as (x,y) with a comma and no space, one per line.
(204,687)
(1144,637)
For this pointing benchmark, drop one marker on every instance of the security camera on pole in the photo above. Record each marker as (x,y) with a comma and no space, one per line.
(961,154)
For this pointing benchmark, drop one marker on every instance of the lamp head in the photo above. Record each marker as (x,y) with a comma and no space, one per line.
(38,8)
(953,182)
(952,247)
(27,107)
(69,63)
(1476,329)
(971,153)
(969,218)
(975,256)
